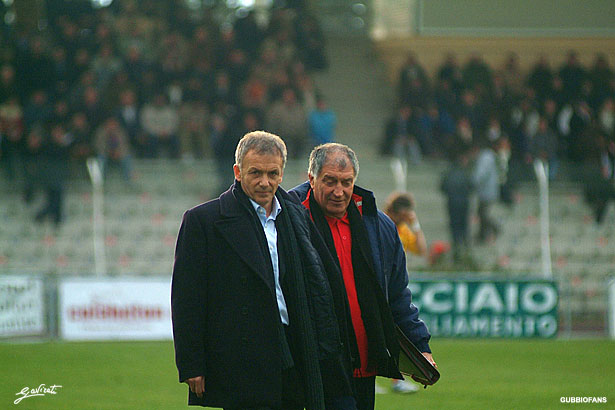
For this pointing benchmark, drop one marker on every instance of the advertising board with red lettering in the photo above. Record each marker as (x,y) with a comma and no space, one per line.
(111,308)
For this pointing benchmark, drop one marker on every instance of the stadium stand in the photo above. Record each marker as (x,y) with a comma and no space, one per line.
(142,219)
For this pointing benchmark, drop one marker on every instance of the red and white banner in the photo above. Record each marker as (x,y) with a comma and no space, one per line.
(109,308)
(22,306)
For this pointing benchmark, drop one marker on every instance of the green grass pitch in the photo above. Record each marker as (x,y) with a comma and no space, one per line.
(476,374)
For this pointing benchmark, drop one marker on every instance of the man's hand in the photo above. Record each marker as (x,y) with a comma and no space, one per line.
(197,385)
(429,357)
(433,363)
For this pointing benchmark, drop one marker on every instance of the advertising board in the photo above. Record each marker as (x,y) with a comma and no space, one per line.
(22,306)
(110,308)
(487,308)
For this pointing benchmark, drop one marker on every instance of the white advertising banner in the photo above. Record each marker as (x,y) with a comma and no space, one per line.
(120,309)
(22,306)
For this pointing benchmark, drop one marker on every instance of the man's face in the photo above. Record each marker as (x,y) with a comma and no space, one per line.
(260,176)
(332,188)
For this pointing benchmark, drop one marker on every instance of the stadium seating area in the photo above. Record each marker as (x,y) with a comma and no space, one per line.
(141,220)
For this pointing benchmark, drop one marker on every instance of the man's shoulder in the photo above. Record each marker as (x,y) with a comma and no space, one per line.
(292,202)
(300,191)
(205,210)
(386,223)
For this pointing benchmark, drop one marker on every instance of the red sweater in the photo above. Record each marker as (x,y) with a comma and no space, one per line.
(340,230)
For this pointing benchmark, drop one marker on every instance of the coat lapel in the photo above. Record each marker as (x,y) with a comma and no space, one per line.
(240,233)
(360,235)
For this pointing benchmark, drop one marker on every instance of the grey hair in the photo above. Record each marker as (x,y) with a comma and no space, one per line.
(319,155)
(262,142)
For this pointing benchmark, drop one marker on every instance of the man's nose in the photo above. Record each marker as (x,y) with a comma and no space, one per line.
(338,191)
(264,181)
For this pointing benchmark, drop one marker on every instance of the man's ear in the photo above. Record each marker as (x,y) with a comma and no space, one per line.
(311,179)
(237,172)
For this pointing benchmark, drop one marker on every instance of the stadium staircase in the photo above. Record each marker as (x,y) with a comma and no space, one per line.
(358,90)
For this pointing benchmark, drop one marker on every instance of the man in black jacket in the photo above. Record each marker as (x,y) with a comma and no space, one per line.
(367,249)
(254,319)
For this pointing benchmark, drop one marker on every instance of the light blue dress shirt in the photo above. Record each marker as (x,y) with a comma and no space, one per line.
(268,223)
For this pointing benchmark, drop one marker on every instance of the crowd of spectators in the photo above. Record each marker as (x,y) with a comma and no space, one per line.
(562,112)
(557,114)
(150,79)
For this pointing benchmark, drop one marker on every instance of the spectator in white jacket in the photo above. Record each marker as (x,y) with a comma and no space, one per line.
(160,123)
(487,184)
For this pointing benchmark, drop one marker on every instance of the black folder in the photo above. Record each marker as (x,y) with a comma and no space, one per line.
(412,362)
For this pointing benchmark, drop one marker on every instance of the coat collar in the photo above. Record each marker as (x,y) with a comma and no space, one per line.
(240,228)
(234,202)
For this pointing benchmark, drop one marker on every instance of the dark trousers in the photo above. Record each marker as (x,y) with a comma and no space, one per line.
(458,221)
(601,202)
(365,392)
(31,179)
(487,225)
(53,205)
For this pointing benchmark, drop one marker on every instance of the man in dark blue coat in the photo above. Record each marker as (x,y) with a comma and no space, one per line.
(372,262)
(254,319)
